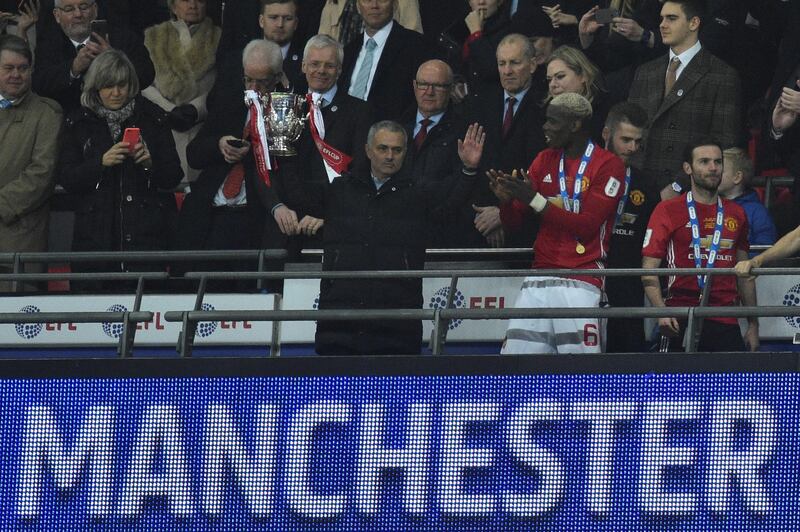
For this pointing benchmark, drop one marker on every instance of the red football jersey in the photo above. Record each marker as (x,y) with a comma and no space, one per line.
(669,237)
(560,231)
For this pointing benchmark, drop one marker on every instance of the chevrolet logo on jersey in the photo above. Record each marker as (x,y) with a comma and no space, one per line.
(724,243)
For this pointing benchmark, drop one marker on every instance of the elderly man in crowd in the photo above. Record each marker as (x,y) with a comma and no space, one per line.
(29,130)
(436,156)
(238,202)
(64,57)
(333,141)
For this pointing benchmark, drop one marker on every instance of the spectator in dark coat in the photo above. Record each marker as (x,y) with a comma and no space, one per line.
(376,221)
(126,201)
(513,137)
(435,154)
(381,76)
(63,57)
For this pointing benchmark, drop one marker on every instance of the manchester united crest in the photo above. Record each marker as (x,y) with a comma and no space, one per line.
(731,224)
(637,197)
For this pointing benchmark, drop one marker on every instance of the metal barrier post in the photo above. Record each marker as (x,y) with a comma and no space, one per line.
(186,336)
(439,333)
(125,347)
(15,284)
(275,343)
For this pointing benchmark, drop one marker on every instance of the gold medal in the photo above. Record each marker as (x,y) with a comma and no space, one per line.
(579,249)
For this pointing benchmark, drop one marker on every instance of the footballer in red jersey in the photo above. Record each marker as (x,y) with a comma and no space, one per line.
(700,229)
(575,187)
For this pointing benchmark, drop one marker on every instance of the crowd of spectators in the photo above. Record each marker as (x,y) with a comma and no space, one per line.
(447,72)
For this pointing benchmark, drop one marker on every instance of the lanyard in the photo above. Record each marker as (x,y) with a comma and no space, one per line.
(715,240)
(562,180)
(624,199)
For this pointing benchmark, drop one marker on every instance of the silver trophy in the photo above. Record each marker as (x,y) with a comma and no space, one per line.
(285,115)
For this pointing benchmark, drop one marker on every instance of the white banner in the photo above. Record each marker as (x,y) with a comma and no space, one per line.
(303,294)
(499,292)
(154,333)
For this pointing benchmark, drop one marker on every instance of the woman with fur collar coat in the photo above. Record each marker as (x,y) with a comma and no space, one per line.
(183,52)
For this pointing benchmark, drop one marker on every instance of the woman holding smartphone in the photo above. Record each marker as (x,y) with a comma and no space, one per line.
(123,178)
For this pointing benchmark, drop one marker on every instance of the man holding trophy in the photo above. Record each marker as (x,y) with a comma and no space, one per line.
(246,196)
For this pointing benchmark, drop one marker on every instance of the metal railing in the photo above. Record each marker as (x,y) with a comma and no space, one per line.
(440,317)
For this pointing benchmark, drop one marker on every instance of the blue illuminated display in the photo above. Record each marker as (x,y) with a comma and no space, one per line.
(543,452)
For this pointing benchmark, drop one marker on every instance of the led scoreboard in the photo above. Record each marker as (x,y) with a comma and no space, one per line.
(429,443)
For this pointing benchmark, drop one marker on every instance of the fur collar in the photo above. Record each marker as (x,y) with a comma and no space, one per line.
(178,68)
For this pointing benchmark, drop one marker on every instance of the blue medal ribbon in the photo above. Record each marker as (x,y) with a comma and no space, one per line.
(713,250)
(624,199)
(562,180)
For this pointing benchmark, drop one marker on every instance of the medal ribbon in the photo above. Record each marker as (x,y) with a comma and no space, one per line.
(258,135)
(713,250)
(624,199)
(562,180)
(337,160)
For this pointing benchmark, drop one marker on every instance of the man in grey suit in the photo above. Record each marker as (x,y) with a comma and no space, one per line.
(29,130)
(687,94)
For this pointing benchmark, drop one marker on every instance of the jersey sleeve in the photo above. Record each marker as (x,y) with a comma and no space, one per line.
(599,203)
(657,235)
(514,212)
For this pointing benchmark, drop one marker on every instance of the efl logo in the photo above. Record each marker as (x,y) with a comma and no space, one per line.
(792,299)
(29,331)
(439,300)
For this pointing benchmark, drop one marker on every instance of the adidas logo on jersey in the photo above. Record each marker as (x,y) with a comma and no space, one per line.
(547,179)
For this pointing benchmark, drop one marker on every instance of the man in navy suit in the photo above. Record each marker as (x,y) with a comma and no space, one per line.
(379,64)
(512,117)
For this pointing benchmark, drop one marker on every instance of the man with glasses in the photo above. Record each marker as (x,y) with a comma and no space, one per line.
(243,198)
(333,140)
(29,129)
(437,156)
(64,57)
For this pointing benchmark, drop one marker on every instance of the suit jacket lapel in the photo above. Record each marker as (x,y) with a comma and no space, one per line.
(390,50)
(690,77)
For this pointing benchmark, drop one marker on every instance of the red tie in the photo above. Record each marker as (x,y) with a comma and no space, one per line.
(509,117)
(235,177)
(419,139)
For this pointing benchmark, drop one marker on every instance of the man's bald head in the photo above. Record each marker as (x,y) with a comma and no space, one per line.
(432,87)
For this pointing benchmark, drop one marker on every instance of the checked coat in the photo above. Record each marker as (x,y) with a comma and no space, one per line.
(705,101)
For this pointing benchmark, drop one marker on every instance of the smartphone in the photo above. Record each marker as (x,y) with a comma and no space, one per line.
(131,136)
(604,16)
(237,143)
(100,27)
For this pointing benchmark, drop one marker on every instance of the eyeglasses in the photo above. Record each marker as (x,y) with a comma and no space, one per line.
(264,82)
(22,69)
(438,87)
(83,8)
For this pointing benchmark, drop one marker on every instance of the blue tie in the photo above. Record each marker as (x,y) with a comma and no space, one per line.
(5,104)
(359,87)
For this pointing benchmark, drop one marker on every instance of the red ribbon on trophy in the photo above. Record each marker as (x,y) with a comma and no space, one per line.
(258,136)
(336,159)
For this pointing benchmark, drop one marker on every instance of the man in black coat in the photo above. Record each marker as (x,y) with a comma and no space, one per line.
(340,124)
(513,131)
(376,221)
(63,57)
(379,64)
(257,214)
(435,156)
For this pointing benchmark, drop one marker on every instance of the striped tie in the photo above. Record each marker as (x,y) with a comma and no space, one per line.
(359,88)
(5,104)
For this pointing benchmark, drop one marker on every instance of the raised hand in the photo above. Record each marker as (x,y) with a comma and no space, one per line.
(470,149)
(588,25)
